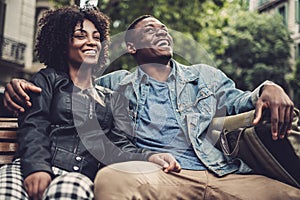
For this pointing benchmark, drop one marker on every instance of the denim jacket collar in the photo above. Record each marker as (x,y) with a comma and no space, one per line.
(138,76)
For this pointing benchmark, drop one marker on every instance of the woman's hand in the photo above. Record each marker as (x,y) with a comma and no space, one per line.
(36,184)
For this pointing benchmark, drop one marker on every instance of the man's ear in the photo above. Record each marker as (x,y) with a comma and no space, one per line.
(131,48)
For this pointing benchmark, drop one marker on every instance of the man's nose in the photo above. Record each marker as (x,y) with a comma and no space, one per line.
(160,31)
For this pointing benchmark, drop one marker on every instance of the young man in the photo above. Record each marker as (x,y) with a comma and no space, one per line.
(171,106)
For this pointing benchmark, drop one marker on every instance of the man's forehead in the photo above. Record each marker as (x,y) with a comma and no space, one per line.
(150,21)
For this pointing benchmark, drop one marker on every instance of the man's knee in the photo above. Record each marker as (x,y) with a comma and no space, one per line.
(125,170)
(122,177)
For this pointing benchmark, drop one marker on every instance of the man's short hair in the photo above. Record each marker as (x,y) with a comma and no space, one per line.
(128,34)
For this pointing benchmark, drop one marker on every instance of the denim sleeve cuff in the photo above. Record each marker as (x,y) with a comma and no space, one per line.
(257,92)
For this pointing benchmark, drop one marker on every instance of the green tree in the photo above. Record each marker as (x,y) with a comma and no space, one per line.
(248,46)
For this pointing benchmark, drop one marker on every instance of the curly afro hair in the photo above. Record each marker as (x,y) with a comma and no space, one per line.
(57,27)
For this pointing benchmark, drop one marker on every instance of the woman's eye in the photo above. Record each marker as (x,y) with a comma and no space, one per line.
(97,38)
(80,36)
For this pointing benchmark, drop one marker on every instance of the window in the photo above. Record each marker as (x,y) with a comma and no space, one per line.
(262,2)
(2,16)
(298,51)
(282,10)
(297,11)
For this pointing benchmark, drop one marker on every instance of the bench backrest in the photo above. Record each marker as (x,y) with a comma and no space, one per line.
(8,140)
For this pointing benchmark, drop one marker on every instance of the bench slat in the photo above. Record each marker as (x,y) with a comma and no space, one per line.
(8,144)
(8,147)
(8,134)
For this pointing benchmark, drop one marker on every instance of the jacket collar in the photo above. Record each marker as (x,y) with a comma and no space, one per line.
(181,72)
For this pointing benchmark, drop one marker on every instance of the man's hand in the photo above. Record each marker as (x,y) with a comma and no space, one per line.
(281,108)
(36,183)
(15,96)
(166,160)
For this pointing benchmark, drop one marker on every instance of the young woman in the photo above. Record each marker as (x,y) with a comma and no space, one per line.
(73,128)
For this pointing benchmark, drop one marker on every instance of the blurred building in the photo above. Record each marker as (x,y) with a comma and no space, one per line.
(18,22)
(18,25)
(290,12)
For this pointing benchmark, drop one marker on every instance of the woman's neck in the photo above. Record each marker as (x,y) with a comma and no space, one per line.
(81,78)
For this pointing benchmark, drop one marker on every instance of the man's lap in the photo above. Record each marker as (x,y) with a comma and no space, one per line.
(145,180)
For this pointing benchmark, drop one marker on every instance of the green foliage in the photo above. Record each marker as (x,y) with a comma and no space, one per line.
(258,43)
(59,3)
(248,46)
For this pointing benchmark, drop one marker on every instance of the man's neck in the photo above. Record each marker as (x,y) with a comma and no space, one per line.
(157,71)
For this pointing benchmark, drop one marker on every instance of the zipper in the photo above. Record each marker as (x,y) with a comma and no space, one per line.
(91,108)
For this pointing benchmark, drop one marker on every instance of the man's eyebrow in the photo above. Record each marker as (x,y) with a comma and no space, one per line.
(149,25)
(152,25)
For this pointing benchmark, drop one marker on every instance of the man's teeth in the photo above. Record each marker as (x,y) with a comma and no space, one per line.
(163,43)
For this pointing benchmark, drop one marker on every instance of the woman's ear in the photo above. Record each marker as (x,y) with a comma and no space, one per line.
(131,48)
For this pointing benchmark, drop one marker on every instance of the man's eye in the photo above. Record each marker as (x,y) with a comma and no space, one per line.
(149,30)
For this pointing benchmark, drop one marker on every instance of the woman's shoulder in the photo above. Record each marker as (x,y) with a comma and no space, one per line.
(48,76)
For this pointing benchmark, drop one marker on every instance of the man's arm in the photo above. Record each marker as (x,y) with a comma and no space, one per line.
(16,98)
(267,95)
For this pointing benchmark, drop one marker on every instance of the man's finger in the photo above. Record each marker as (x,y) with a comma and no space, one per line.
(10,104)
(258,112)
(286,124)
(274,122)
(289,128)
(20,90)
(31,87)
(10,90)
(282,121)
(174,166)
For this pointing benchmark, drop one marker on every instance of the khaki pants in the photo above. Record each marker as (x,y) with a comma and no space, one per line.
(145,180)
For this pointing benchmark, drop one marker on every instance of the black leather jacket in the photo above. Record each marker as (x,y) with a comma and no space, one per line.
(68,128)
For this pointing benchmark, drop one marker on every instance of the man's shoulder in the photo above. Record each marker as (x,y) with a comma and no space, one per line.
(112,79)
(197,69)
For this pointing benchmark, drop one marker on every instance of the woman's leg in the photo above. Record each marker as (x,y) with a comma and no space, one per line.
(70,185)
(11,182)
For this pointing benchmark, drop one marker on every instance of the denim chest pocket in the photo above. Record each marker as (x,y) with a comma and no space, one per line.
(203,101)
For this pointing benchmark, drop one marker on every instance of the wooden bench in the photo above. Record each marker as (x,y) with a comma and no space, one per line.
(8,140)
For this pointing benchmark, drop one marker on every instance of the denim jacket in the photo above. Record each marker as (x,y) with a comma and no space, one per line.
(202,92)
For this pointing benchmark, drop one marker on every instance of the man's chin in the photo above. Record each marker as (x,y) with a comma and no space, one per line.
(165,58)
